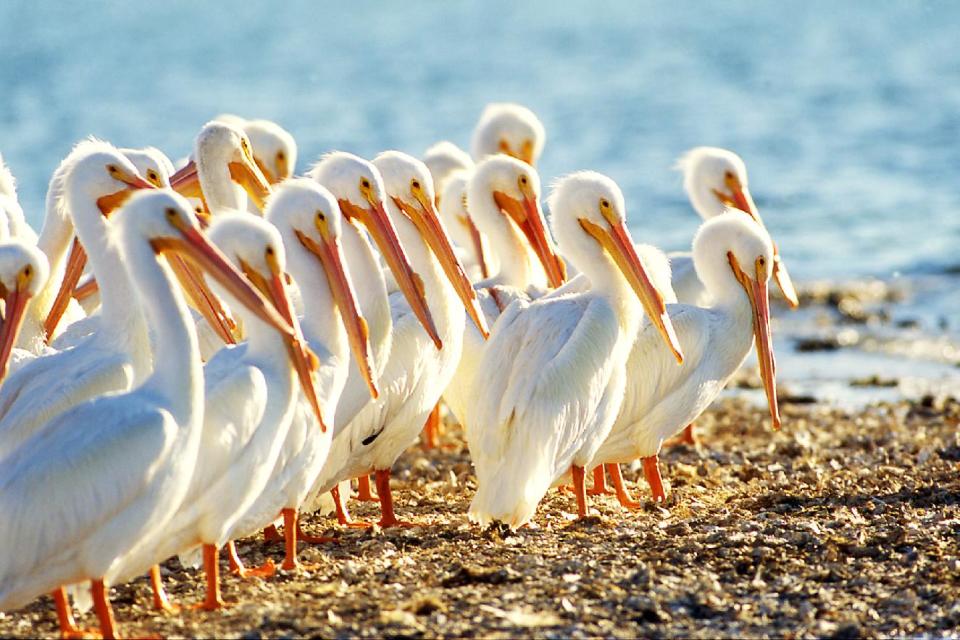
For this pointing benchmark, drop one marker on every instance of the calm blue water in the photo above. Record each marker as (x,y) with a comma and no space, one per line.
(847,113)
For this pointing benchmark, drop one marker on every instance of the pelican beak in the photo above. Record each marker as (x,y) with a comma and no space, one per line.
(203,299)
(303,359)
(375,219)
(757,292)
(186,181)
(270,178)
(108,203)
(85,289)
(528,217)
(477,239)
(15,304)
(428,223)
(783,279)
(619,245)
(524,153)
(247,174)
(193,244)
(331,259)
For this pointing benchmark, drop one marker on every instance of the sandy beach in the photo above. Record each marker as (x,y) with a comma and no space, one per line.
(843,525)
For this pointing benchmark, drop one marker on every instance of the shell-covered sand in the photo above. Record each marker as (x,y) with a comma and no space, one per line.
(842,525)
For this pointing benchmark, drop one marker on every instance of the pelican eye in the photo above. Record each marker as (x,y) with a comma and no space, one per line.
(152,174)
(269,250)
(728,175)
(27,271)
(415,184)
(523,179)
(280,155)
(112,168)
(320,216)
(170,212)
(365,183)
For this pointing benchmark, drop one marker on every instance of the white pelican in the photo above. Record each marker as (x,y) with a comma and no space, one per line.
(443,160)
(309,220)
(733,256)
(716,182)
(477,256)
(511,129)
(503,197)
(250,400)
(23,272)
(418,369)
(555,369)
(115,353)
(222,168)
(89,486)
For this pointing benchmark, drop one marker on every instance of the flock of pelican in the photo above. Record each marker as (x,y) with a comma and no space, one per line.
(191,356)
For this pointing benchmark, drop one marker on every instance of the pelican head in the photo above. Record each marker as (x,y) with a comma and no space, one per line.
(152,164)
(96,172)
(511,129)
(23,272)
(166,221)
(224,149)
(716,182)
(410,189)
(255,247)
(443,160)
(589,220)
(274,149)
(308,216)
(504,194)
(359,190)
(734,255)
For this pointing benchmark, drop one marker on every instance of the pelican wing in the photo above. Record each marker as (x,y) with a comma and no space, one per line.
(51,385)
(71,481)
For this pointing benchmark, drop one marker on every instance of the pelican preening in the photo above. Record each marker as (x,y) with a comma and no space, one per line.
(334,312)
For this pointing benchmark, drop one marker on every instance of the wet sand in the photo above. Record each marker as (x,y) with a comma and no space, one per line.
(845,524)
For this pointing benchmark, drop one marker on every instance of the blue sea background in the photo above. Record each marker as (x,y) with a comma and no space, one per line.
(847,113)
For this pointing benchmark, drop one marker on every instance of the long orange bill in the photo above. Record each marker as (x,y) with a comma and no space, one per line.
(203,299)
(267,174)
(431,228)
(15,304)
(529,219)
(375,219)
(619,245)
(757,292)
(186,181)
(76,262)
(195,246)
(85,289)
(743,201)
(477,241)
(304,360)
(248,175)
(332,261)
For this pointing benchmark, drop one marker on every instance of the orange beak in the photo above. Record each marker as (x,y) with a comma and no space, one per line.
(477,241)
(528,217)
(203,299)
(375,219)
(430,226)
(332,261)
(194,245)
(186,181)
(758,294)
(15,306)
(619,245)
(303,359)
(77,259)
(247,174)
(85,289)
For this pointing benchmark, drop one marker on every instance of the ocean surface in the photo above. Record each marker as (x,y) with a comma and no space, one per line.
(846,113)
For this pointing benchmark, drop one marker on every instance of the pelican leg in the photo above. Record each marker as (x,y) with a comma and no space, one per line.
(580,489)
(101,606)
(343,516)
(211,567)
(651,469)
(311,539)
(291,527)
(623,494)
(431,430)
(265,570)
(68,626)
(363,489)
(160,600)
(599,487)
(687,437)
(387,517)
